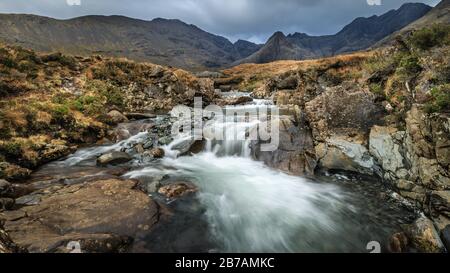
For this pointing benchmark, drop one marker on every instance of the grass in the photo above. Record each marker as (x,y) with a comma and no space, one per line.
(440,99)
(429,37)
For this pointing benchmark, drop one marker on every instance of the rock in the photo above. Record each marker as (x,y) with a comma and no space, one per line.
(157,153)
(398,243)
(235,100)
(139,116)
(102,215)
(177,190)
(339,154)
(6,244)
(13,172)
(424,236)
(115,117)
(445,235)
(113,158)
(295,153)
(165,140)
(440,201)
(139,148)
(150,184)
(12,190)
(6,203)
(343,110)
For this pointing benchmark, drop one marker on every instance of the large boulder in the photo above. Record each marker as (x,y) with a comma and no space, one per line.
(295,153)
(337,153)
(343,110)
(102,216)
(113,158)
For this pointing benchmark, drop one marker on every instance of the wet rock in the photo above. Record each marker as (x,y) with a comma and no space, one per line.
(235,100)
(9,190)
(440,201)
(177,190)
(398,243)
(150,184)
(445,235)
(424,236)
(114,158)
(139,116)
(116,117)
(339,154)
(157,153)
(165,140)
(103,214)
(6,203)
(13,172)
(295,151)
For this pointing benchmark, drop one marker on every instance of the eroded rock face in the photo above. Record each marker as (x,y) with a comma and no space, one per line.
(103,216)
(295,153)
(342,111)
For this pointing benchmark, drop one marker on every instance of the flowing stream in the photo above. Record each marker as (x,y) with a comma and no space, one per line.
(243,206)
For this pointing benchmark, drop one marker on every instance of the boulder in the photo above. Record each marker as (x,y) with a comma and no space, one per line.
(116,117)
(177,190)
(103,216)
(295,153)
(113,158)
(424,237)
(336,153)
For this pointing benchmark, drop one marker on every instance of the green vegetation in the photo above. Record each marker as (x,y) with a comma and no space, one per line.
(426,38)
(377,89)
(440,101)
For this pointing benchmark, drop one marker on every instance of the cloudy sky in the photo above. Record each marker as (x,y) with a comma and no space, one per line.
(253,20)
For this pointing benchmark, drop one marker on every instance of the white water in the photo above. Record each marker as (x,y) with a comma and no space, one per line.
(250,207)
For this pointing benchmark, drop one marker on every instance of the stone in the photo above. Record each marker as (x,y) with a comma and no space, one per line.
(6,203)
(445,235)
(114,158)
(165,140)
(440,201)
(385,149)
(157,153)
(116,117)
(295,153)
(13,190)
(424,237)
(177,190)
(6,244)
(104,215)
(398,243)
(339,154)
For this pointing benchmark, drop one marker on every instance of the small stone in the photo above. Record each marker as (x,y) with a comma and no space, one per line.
(157,153)
(115,117)
(177,190)
(398,243)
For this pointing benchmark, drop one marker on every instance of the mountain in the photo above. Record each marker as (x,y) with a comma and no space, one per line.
(359,34)
(440,14)
(246,48)
(161,41)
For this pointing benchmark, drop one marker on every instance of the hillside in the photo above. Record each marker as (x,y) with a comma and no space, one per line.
(161,41)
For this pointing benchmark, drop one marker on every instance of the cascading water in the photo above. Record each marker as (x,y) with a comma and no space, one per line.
(247,207)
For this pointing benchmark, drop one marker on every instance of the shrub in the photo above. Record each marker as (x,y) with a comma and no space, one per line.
(426,38)
(377,89)
(440,101)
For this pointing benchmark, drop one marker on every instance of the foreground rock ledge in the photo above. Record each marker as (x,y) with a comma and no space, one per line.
(104,216)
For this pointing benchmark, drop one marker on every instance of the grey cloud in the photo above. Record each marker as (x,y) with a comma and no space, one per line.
(255,20)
